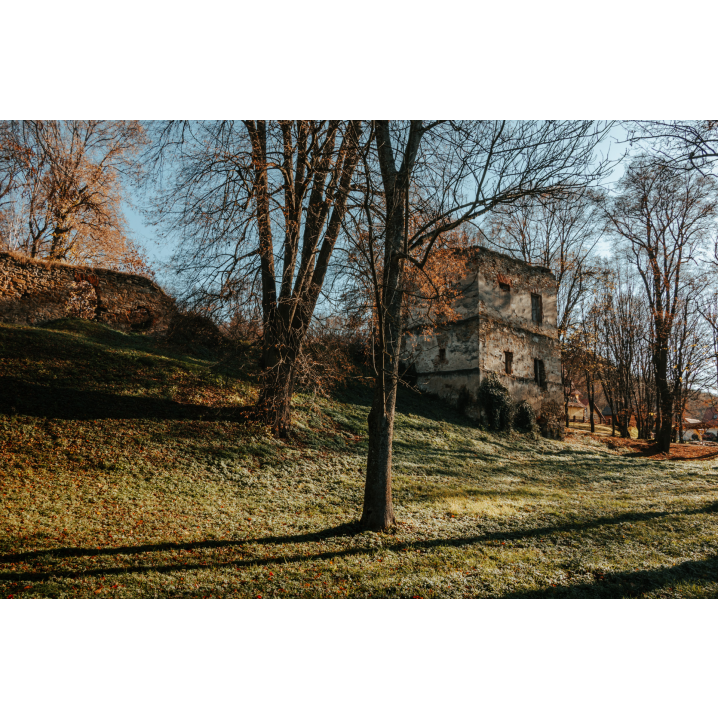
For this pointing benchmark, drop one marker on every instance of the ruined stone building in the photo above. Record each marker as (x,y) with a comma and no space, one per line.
(506,325)
(34,291)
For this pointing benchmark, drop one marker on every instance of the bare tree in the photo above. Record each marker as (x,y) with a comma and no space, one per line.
(681,144)
(690,350)
(559,232)
(426,178)
(708,309)
(662,218)
(257,207)
(617,318)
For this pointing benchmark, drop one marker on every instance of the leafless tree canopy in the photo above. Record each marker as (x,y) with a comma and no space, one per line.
(257,208)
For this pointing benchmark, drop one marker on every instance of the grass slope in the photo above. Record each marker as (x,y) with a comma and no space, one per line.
(126,470)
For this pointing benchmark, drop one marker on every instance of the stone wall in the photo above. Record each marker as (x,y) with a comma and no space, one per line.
(37,291)
(494,316)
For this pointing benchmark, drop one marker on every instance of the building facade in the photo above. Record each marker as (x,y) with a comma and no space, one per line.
(505,324)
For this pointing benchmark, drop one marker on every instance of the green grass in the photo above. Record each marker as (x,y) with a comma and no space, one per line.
(126,470)
(601,429)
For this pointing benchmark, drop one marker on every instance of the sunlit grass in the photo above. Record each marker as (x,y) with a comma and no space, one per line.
(178,497)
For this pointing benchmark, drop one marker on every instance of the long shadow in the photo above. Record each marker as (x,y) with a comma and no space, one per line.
(344,529)
(630,584)
(51,402)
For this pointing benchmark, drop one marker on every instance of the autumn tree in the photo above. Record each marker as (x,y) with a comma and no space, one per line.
(69,182)
(256,208)
(445,174)
(662,218)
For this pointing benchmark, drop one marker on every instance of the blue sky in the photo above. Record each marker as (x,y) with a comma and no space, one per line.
(159,252)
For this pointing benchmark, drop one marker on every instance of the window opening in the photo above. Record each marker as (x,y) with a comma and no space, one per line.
(504,286)
(539,373)
(536,309)
(509,362)
(442,354)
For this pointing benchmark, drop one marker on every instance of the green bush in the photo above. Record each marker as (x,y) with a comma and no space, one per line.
(464,400)
(496,404)
(524,417)
(187,329)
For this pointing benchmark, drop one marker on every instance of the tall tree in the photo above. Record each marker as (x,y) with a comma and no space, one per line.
(445,174)
(68,186)
(662,217)
(682,144)
(690,350)
(708,308)
(559,232)
(258,207)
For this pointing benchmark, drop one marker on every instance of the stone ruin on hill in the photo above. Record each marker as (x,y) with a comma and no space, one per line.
(507,326)
(36,291)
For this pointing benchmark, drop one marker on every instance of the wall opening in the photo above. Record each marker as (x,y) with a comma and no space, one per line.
(536,309)
(509,362)
(539,373)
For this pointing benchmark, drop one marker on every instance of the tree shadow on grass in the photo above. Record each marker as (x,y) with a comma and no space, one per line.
(46,401)
(631,584)
(347,529)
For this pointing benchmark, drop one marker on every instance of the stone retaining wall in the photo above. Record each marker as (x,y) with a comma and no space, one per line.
(37,291)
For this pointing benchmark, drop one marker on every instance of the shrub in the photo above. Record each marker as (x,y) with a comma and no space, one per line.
(464,401)
(524,417)
(496,404)
(551,420)
(324,362)
(193,328)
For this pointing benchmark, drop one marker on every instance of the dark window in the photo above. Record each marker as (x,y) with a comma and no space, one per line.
(539,373)
(442,354)
(536,309)
(504,286)
(509,362)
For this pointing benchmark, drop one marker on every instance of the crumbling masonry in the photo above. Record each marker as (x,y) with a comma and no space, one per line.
(36,291)
(506,325)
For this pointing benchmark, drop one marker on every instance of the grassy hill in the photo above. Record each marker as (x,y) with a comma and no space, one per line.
(127,469)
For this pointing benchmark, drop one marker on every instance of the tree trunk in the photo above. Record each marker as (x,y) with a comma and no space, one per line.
(591,395)
(623,423)
(274,406)
(378,513)
(279,359)
(665,398)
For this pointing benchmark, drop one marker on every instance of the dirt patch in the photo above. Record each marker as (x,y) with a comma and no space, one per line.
(648,450)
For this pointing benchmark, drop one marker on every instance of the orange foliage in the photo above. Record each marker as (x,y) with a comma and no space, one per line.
(68,190)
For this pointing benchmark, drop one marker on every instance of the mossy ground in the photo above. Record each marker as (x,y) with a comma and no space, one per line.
(127,470)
